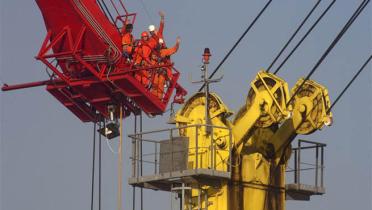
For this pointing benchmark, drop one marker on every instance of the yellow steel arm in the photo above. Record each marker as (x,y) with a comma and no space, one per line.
(266,104)
(310,107)
(259,141)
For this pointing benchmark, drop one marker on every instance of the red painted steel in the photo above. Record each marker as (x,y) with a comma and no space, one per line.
(83,50)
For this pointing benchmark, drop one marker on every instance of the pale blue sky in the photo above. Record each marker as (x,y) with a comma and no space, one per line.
(46,151)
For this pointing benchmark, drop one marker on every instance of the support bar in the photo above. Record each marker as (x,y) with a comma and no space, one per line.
(7,87)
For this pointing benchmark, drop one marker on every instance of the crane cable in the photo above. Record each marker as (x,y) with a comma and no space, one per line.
(102,2)
(93,166)
(349,84)
(293,35)
(334,103)
(305,36)
(133,187)
(100,167)
(344,29)
(141,153)
(333,44)
(237,42)
(146,11)
(120,162)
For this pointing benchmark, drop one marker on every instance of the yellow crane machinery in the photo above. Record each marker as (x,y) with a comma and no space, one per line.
(214,163)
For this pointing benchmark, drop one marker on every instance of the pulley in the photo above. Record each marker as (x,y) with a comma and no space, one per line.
(311,102)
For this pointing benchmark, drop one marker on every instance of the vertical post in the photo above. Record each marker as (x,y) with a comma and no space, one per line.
(322,167)
(133,154)
(206,199)
(230,150)
(156,158)
(214,150)
(212,146)
(299,162)
(183,196)
(199,198)
(100,168)
(137,155)
(141,158)
(316,165)
(190,202)
(295,166)
(134,148)
(93,164)
(196,148)
(134,162)
(171,140)
(120,162)
(206,98)
(172,197)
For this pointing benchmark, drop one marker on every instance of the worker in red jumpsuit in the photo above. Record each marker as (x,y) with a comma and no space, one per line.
(166,52)
(142,59)
(127,41)
(163,74)
(156,34)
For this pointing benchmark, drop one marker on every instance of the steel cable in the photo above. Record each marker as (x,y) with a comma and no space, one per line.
(141,150)
(107,10)
(293,35)
(350,21)
(349,84)
(133,187)
(237,42)
(103,10)
(305,36)
(93,166)
(338,37)
(100,168)
(333,44)
(146,11)
(120,161)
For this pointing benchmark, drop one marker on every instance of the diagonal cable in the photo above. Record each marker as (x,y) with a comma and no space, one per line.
(305,36)
(349,84)
(294,35)
(237,42)
(333,44)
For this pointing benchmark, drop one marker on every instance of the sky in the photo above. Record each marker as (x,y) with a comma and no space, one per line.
(46,151)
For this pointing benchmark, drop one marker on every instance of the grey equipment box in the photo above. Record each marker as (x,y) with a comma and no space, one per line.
(174,154)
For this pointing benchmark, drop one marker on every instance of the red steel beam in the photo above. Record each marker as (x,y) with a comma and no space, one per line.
(26,85)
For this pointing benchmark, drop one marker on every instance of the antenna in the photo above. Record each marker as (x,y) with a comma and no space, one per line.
(206,81)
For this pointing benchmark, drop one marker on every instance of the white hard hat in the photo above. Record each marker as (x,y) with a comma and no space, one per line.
(151,28)
(161,41)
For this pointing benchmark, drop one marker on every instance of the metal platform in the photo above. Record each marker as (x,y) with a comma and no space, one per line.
(191,177)
(163,159)
(302,191)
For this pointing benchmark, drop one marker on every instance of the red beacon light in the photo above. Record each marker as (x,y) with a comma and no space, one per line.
(206,55)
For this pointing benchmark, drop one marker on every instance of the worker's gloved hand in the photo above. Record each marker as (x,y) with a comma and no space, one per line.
(161,13)
(178,40)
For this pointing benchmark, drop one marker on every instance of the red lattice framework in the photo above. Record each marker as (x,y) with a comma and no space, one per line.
(87,77)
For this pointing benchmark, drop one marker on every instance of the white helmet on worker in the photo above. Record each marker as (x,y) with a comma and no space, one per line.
(151,28)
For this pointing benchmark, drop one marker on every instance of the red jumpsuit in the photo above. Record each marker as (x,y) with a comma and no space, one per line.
(142,59)
(165,73)
(154,39)
(127,42)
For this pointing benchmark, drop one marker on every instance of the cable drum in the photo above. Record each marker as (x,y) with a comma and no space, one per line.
(312,102)
(273,89)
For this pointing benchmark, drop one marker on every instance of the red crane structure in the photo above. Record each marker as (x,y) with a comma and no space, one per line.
(83,50)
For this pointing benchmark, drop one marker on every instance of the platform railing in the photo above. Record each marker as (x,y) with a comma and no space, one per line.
(147,151)
(313,161)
